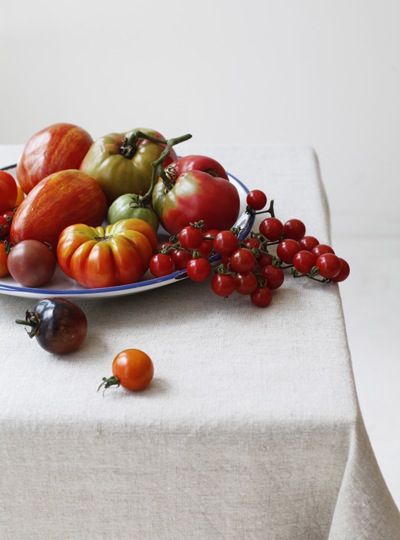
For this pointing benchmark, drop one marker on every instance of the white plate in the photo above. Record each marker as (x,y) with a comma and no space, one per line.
(62,286)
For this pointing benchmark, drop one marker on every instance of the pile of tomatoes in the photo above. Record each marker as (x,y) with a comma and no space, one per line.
(68,185)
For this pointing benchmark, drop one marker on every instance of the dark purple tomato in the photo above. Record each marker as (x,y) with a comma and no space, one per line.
(58,325)
(31,263)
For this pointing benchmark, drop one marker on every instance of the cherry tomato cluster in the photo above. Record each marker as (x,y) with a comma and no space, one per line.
(249,267)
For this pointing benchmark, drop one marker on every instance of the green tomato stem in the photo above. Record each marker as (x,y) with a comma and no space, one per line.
(158,169)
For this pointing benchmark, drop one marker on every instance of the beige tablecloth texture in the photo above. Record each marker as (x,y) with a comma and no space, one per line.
(251,429)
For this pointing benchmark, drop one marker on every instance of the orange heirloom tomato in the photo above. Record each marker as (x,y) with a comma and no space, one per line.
(98,257)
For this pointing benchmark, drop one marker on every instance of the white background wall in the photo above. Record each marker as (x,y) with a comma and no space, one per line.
(320,72)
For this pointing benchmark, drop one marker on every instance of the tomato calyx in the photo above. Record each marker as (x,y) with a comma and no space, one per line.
(129,144)
(107,382)
(33,321)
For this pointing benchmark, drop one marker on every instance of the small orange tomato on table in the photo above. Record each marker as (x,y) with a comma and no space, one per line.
(132,369)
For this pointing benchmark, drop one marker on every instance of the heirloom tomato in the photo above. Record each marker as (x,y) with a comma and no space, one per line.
(31,263)
(128,206)
(58,325)
(122,162)
(54,148)
(116,255)
(61,199)
(8,192)
(185,194)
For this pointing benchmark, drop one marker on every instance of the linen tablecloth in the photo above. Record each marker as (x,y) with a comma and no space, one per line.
(250,430)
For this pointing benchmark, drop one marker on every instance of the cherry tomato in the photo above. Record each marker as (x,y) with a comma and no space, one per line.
(242,260)
(59,326)
(287,249)
(252,243)
(271,228)
(190,237)
(321,249)
(256,199)
(246,282)
(4,250)
(265,259)
(205,248)
(308,243)
(31,263)
(273,275)
(161,265)
(225,242)
(198,269)
(344,271)
(180,258)
(294,228)
(304,260)
(132,369)
(223,284)
(329,265)
(261,297)
(8,192)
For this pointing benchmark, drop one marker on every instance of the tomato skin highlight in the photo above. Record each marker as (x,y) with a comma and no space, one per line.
(55,148)
(133,369)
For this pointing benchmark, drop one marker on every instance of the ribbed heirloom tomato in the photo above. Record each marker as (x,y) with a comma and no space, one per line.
(98,257)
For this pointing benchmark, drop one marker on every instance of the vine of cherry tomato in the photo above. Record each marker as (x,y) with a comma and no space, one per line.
(248,266)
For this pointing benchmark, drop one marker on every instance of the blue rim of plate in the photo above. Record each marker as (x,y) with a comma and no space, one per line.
(177,275)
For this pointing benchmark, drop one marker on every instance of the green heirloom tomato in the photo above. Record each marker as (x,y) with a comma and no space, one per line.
(121,162)
(128,206)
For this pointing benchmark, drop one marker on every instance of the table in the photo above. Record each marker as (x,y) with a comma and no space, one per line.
(250,430)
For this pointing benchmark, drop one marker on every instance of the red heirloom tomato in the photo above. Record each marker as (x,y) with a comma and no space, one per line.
(186,195)
(8,192)
(63,198)
(54,148)
(98,257)
(122,162)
